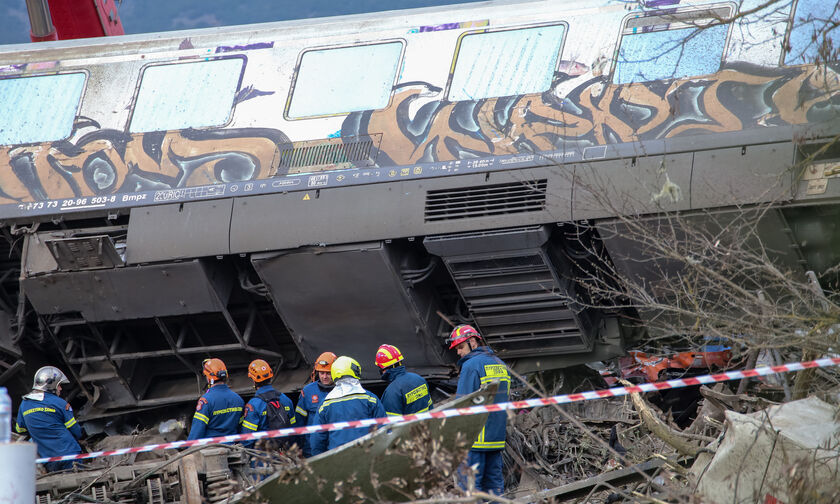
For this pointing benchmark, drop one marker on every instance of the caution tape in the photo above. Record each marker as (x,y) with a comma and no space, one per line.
(472,410)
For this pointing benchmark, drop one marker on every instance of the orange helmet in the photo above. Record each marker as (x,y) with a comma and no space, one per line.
(387,356)
(461,334)
(214,369)
(259,370)
(324,361)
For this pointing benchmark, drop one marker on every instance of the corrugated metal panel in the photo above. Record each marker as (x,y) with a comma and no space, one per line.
(518,297)
(497,199)
(355,151)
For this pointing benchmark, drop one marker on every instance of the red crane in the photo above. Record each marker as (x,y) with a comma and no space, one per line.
(72,19)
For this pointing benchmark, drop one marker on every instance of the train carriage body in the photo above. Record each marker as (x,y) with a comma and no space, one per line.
(287,188)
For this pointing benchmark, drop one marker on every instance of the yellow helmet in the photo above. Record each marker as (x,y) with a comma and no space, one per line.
(346,366)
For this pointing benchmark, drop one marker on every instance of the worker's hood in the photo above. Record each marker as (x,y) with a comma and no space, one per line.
(392,373)
(486,350)
(345,386)
(35,395)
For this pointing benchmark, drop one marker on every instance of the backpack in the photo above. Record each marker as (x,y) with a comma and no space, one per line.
(275,412)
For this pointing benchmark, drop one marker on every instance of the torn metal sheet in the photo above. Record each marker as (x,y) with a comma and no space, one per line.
(370,464)
(757,457)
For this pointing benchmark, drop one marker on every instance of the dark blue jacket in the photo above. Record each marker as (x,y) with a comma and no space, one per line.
(345,409)
(477,368)
(217,413)
(311,398)
(51,424)
(406,393)
(254,416)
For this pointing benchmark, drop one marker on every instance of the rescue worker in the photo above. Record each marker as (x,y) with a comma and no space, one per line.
(219,410)
(255,416)
(346,402)
(406,393)
(48,419)
(479,365)
(312,397)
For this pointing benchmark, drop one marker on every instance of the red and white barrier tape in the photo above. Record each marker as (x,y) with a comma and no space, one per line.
(472,410)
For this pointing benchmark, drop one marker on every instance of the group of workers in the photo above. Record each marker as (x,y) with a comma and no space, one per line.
(334,395)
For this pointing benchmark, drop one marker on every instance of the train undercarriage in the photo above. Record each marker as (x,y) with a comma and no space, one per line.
(132,335)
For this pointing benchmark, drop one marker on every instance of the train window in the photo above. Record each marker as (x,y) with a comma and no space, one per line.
(504,63)
(341,80)
(671,45)
(197,94)
(810,23)
(39,109)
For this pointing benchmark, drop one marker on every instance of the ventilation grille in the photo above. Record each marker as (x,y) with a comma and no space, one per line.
(519,304)
(336,153)
(486,201)
(82,253)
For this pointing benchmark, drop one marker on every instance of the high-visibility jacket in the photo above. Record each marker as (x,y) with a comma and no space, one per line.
(355,406)
(311,398)
(479,367)
(217,413)
(51,424)
(406,393)
(254,416)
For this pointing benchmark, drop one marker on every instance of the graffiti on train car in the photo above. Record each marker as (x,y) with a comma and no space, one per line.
(106,161)
(595,112)
(580,111)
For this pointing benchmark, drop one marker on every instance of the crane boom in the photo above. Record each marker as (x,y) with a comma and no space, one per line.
(72,19)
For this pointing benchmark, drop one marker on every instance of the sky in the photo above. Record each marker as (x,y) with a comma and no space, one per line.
(146,16)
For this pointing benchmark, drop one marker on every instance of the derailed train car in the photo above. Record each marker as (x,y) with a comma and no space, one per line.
(280,189)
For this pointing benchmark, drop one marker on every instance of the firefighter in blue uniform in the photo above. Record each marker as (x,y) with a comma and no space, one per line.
(479,365)
(255,416)
(49,419)
(406,393)
(312,397)
(346,402)
(219,410)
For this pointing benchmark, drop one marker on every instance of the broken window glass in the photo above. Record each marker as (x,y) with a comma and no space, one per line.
(811,20)
(671,45)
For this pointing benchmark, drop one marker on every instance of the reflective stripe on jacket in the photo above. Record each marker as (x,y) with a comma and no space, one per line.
(479,367)
(407,393)
(217,413)
(345,409)
(51,424)
(254,417)
(311,398)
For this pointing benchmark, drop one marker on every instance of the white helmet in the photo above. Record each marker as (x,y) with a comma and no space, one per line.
(48,378)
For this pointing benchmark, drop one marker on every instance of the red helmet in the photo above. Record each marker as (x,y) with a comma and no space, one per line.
(214,369)
(387,356)
(461,334)
(259,371)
